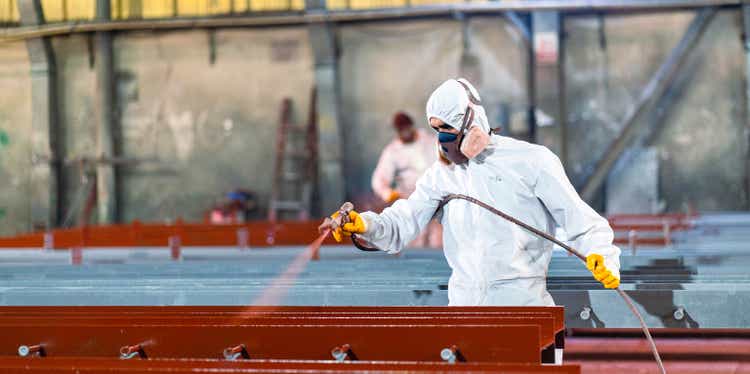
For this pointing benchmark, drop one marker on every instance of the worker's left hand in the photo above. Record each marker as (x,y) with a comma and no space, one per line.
(356,225)
(595,264)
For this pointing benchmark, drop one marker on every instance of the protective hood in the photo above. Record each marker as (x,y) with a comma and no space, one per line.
(449,101)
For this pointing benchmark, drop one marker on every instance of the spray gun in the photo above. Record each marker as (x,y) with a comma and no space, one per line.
(330,224)
(333,223)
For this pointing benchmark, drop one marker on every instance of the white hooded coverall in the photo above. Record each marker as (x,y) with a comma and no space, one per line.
(493,261)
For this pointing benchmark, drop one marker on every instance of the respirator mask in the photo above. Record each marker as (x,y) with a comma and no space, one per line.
(470,140)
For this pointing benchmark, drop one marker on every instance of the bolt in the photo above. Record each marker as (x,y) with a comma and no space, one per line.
(449,354)
(679,313)
(129,351)
(341,353)
(233,353)
(585,313)
(25,350)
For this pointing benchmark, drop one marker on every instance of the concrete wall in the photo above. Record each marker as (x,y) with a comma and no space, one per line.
(698,128)
(208,128)
(200,128)
(15,138)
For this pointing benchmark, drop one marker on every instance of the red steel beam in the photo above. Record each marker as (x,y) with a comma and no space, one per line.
(545,323)
(261,233)
(477,343)
(649,367)
(95,365)
(721,349)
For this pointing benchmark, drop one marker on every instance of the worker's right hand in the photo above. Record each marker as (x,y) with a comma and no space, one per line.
(595,264)
(356,225)
(393,196)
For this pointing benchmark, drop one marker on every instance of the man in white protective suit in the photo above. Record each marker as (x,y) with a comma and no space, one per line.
(493,261)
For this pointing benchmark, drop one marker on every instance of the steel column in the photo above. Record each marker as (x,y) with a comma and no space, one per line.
(562,94)
(746,44)
(330,137)
(46,173)
(659,83)
(531,84)
(106,173)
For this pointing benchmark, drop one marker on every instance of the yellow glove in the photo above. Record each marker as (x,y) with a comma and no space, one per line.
(393,196)
(595,264)
(356,225)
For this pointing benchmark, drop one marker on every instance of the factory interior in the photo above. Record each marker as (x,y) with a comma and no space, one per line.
(369,186)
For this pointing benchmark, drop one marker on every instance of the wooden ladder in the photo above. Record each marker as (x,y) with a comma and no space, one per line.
(295,170)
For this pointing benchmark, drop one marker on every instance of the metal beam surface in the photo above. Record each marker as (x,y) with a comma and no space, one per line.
(446,10)
(477,343)
(657,85)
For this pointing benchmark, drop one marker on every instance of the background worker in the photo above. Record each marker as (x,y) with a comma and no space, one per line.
(493,261)
(401,163)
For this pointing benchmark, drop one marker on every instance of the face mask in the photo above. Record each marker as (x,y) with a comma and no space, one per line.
(460,148)
(464,146)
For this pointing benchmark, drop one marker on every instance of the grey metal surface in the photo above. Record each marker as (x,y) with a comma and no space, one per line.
(633,184)
(689,284)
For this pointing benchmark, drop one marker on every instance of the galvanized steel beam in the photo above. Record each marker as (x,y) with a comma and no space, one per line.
(659,83)
(46,173)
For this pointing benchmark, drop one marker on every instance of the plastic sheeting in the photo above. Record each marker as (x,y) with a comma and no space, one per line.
(212,128)
(697,127)
(389,67)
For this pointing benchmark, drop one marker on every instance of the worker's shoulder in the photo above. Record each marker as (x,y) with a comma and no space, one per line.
(534,156)
(529,149)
